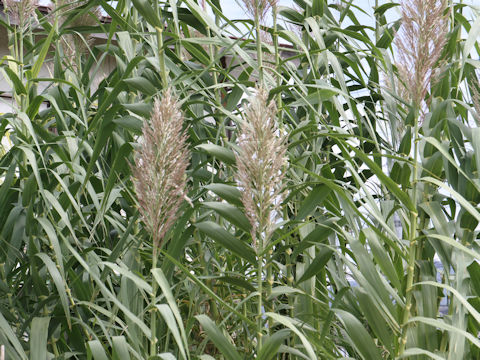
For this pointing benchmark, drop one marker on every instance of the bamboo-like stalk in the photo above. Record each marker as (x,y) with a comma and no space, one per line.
(23,104)
(212,53)
(161,58)
(420,43)
(153,321)
(289,266)
(412,251)
(258,9)
(277,61)
(260,295)
(258,41)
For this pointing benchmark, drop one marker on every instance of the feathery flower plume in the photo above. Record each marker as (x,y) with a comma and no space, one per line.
(20,10)
(74,45)
(260,7)
(66,7)
(261,163)
(420,42)
(160,167)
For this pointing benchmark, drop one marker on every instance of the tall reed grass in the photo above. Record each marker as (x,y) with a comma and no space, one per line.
(326,215)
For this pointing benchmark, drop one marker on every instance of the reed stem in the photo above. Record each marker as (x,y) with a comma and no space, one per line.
(277,63)
(412,238)
(161,58)
(153,324)
(260,290)
(259,41)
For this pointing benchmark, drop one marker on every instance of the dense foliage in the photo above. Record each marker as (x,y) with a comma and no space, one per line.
(362,242)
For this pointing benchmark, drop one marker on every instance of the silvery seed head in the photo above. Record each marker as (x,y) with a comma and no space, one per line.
(261,164)
(160,167)
(260,7)
(75,44)
(20,11)
(420,42)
